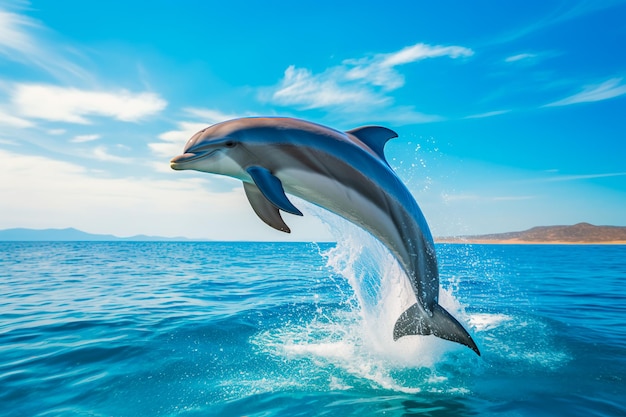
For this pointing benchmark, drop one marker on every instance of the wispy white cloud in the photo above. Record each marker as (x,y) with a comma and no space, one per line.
(577,177)
(556,15)
(421,51)
(520,57)
(13,121)
(487,114)
(85,138)
(594,92)
(380,70)
(183,132)
(514,198)
(73,105)
(464,197)
(56,132)
(13,33)
(25,40)
(398,115)
(300,87)
(172,141)
(357,85)
(451,197)
(210,116)
(102,153)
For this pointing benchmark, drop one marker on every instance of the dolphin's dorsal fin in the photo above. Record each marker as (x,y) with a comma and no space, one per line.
(375,137)
(264,208)
(272,189)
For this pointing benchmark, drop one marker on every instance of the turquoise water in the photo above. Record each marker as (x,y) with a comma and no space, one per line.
(300,329)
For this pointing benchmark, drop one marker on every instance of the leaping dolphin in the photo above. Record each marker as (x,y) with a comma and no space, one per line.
(343,172)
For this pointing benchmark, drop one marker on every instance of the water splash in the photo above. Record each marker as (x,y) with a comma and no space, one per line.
(354,342)
(382,292)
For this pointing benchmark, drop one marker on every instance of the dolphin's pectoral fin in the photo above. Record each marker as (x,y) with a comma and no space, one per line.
(441,324)
(264,208)
(272,189)
(375,137)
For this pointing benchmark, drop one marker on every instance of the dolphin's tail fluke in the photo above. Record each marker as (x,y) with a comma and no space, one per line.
(440,324)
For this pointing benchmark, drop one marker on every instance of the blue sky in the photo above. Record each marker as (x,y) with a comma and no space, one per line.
(510,114)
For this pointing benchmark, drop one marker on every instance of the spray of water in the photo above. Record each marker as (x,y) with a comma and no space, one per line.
(382,292)
(358,340)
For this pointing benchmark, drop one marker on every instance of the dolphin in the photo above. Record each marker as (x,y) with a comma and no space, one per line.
(343,172)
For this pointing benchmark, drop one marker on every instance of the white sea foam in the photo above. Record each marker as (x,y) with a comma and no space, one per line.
(485,321)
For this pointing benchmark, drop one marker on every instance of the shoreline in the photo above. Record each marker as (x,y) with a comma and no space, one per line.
(525,242)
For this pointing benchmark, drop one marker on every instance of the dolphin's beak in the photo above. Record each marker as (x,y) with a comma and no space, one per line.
(178,161)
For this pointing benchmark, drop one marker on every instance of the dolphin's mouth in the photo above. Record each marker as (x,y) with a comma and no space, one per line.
(179,161)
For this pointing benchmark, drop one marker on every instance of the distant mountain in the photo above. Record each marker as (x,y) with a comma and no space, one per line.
(579,233)
(73,235)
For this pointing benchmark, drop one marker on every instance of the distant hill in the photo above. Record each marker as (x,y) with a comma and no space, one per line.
(581,233)
(73,235)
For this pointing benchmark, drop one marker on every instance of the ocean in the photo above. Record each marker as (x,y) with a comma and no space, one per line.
(305,329)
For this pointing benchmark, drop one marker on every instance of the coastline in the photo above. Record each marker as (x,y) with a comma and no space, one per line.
(462,241)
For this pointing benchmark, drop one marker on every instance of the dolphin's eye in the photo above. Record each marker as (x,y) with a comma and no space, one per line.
(230,144)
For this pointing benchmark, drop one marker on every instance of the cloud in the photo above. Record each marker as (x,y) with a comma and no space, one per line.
(519,57)
(379,70)
(13,33)
(73,105)
(596,92)
(102,153)
(210,116)
(487,114)
(357,85)
(300,87)
(400,115)
(577,177)
(422,51)
(56,132)
(514,198)
(449,198)
(25,40)
(84,138)
(172,141)
(559,14)
(453,198)
(13,121)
